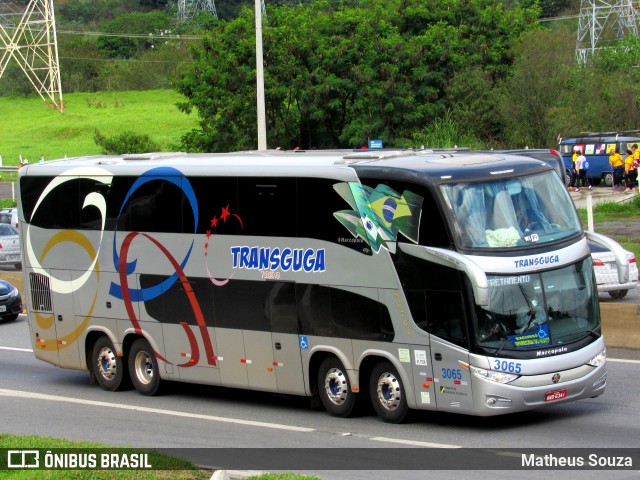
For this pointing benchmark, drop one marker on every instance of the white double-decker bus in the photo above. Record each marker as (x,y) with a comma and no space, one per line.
(456,282)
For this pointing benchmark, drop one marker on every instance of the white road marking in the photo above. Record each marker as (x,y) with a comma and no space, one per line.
(622,360)
(15,349)
(136,408)
(414,442)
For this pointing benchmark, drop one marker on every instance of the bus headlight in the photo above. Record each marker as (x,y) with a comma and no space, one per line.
(598,359)
(494,376)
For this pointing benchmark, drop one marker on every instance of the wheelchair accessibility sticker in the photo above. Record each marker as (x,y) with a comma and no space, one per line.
(304,342)
(535,338)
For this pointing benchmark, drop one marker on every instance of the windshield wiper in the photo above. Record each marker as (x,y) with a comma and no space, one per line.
(502,346)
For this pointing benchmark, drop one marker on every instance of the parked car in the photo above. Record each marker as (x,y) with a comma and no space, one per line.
(604,265)
(10,246)
(10,216)
(10,301)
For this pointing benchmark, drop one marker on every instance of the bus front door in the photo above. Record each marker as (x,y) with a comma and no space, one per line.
(451,379)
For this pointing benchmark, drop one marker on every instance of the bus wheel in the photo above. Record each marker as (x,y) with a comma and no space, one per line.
(143,368)
(335,389)
(387,393)
(107,366)
(608,179)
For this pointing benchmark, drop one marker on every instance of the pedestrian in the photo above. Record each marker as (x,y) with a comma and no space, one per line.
(631,170)
(574,175)
(617,164)
(582,166)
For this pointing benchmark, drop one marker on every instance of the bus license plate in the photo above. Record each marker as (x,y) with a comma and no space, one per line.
(555,395)
(12,258)
(3,308)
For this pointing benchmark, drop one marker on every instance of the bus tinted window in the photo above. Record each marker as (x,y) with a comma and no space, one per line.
(216,196)
(267,206)
(445,315)
(242,305)
(511,212)
(433,231)
(332,312)
(154,206)
(314,309)
(282,306)
(174,304)
(318,201)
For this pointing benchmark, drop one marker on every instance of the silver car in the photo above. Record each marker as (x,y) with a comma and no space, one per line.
(10,246)
(604,265)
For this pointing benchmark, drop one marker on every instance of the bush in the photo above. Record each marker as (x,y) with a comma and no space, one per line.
(126,142)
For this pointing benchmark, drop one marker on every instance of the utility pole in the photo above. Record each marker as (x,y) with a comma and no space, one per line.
(29,38)
(262,124)
(603,21)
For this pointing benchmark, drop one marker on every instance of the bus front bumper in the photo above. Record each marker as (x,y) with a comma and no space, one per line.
(491,398)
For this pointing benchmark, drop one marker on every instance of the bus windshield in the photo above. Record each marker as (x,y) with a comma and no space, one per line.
(538,309)
(511,212)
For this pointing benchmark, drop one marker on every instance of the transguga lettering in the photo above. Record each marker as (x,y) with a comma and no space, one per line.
(286,259)
(537,261)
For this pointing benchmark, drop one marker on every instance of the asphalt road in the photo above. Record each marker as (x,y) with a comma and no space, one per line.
(37,398)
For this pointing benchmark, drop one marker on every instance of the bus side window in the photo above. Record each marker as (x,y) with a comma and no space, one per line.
(267,206)
(359,317)
(418,307)
(446,317)
(433,229)
(242,304)
(314,309)
(332,312)
(282,308)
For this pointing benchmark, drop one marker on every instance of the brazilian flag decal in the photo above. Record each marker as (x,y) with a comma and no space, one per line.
(378,214)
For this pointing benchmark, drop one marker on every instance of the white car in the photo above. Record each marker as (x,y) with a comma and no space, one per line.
(9,216)
(10,246)
(604,265)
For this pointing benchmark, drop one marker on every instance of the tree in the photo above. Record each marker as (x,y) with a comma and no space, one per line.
(335,76)
(532,106)
(132,23)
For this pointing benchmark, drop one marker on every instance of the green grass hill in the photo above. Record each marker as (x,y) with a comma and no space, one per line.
(31,129)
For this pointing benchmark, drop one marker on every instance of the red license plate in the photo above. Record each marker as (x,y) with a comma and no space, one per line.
(555,395)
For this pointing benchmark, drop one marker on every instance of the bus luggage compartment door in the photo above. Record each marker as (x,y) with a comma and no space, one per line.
(451,380)
(64,319)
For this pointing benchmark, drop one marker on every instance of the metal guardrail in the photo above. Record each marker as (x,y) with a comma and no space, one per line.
(8,168)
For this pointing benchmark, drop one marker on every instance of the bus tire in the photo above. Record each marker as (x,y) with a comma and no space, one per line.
(108,367)
(143,368)
(387,393)
(334,388)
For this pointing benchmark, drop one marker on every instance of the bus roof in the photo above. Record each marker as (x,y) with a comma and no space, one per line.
(442,164)
(599,138)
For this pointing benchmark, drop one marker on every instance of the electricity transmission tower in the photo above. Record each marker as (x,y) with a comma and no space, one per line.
(602,22)
(189,8)
(28,36)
